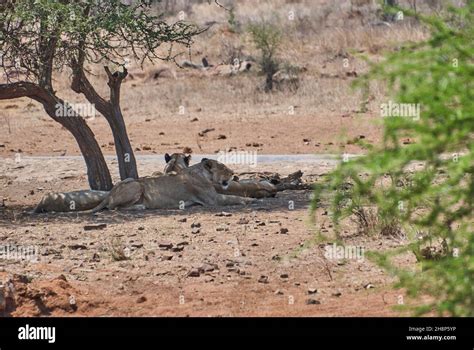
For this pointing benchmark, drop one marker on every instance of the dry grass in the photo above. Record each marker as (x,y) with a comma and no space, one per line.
(117,250)
(328,47)
(370,222)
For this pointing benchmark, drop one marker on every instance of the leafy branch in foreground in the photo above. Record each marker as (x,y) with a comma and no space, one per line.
(437,75)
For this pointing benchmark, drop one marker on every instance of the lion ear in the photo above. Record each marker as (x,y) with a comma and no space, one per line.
(207,164)
(167,157)
(187,159)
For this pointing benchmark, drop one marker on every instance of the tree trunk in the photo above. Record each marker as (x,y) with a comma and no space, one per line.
(97,170)
(126,157)
(112,113)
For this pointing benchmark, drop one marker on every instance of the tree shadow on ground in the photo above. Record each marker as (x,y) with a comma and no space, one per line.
(284,201)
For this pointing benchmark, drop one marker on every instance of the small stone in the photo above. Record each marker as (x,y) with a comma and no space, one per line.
(141,299)
(278,292)
(77,247)
(263,279)
(284,275)
(94,227)
(208,267)
(283,231)
(312,302)
(182,220)
(224,213)
(194,273)
(165,246)
(95,257)
(195,224)
(312,290)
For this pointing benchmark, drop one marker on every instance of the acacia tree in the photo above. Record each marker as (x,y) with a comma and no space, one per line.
(39,37)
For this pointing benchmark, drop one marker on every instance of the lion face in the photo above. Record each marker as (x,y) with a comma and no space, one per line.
(176,162)
(218,172)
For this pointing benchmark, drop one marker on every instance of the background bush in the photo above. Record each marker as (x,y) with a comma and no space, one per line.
(439,75)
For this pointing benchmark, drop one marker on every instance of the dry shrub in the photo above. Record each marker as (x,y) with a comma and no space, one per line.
(118,250)
(370,221)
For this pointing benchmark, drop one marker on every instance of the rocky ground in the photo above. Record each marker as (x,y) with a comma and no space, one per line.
(257,260)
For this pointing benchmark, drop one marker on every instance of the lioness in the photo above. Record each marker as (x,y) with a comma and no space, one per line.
(252,188)
(70,201)
(193,185)
(174,164)
(89,199)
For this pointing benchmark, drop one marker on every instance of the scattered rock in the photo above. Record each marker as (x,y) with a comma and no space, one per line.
(205,131)
(182,220)
(312,302)
(195,231)
(195,224)
(94,227)
(223,213)
(95,258)
(206,267)
(369,286)
(278,292)
(263,279)
(177,249)
(194,273)
(141,299)
(284,275)
(312,290)
(283,231)
(242,221)
(165,246)
(221,137)
(77,247)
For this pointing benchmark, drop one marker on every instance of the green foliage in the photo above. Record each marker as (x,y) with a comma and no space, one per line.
(439,76)
(267,39)
(234,24)
(102,31)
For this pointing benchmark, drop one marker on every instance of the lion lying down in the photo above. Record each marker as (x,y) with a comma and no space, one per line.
(192,187)
(89,199)
(253,188)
